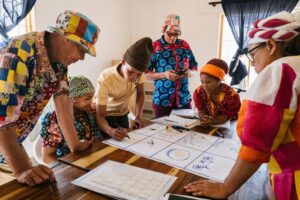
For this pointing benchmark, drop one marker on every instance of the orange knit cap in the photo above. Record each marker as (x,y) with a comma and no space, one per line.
(213,71)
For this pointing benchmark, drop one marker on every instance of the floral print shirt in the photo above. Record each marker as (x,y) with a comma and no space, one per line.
(229,102)
(85,124)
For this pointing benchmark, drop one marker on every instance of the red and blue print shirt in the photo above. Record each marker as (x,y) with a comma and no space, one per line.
(177,56)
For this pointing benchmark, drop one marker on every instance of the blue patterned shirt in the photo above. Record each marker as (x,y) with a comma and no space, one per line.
(176,57)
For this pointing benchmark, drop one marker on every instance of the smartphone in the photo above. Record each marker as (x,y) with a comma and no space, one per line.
(182,197)
(181,72)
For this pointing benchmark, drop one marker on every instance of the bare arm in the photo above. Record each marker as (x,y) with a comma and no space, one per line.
(140,98)
(65,118)
(115,133)
(19,161)
(49,154)
(171,75)
(238,175)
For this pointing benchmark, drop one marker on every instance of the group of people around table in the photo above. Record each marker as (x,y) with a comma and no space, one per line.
(33,68)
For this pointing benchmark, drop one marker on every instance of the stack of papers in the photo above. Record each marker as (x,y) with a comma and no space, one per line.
(189,113)
(123,181)
(178,121)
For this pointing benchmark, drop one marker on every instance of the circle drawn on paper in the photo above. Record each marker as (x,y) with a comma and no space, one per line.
(178,154)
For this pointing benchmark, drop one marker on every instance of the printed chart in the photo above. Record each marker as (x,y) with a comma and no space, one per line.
(123,181)
(200,154)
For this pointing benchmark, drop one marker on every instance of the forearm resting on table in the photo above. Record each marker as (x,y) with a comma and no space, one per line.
(65,117)
(221,119)
(239,174)
(49,155)
(13,152)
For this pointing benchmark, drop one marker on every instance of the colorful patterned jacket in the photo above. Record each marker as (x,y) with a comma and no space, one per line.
(269,125)
(27,81)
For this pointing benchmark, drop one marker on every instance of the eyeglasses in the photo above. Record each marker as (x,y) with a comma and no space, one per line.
(248,54)
(174,34)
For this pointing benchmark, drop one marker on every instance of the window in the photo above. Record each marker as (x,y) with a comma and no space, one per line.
(25,26)
(227,49)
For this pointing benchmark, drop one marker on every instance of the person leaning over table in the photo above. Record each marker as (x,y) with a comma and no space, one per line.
(269,119)
(81,91)
(170,67)
(33,67)
(115,87)
(216,101)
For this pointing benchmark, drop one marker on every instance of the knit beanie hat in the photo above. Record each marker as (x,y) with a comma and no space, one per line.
(80,86)
(138,55)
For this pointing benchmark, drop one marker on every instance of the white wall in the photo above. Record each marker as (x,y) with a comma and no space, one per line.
(199,22)
(112,17)
(122,22)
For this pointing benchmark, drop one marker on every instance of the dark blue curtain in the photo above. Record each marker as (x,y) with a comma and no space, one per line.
(12,12)
(240,15)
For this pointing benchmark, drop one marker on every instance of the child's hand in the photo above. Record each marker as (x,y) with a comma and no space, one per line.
(119,133)
(83,145)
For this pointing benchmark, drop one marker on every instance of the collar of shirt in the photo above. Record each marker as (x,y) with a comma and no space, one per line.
(164,42)
(43,62)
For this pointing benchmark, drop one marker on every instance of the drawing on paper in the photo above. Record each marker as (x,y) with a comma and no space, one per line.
(195,140)
(168,134)
(232,147)
(203,163)
(178,154)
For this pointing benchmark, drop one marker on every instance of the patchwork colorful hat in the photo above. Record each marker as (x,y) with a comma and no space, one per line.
(77,28)
(171,23)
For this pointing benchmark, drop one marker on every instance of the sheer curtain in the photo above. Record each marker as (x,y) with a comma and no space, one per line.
(12,12)
(240,15)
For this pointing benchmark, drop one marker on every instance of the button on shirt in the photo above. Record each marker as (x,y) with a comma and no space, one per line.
(27,81)
(177,56)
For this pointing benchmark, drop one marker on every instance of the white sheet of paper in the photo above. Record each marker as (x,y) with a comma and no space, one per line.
(171,135)
(176,120)
(211,166)
(177,155)
(151,129)
(126,182)
(226,148)
(148,146)
(198,141)
(185,113)
(181,150)
(134,138)
(225,125)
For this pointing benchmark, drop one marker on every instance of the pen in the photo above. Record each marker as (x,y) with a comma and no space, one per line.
(119,127)
(180,128)
(50,187)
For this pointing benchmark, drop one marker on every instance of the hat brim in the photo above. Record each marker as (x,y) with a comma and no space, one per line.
(89,48)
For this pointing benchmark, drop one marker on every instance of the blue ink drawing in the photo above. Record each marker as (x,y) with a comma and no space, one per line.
(203,163)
